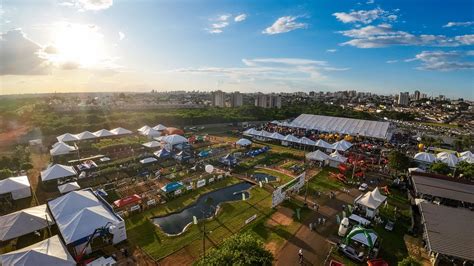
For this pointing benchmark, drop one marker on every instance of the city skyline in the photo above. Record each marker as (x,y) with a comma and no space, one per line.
(105,45)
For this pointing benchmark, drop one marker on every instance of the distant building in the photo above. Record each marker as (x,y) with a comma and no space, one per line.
(417,96)
(236,99)
(404,98)
(218,98)
(268,100)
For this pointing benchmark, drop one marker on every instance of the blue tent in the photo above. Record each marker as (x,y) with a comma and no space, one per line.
(204,153)
(163,153)
(228,160)
(171,187)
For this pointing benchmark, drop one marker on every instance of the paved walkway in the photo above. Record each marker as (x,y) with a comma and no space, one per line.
(314,243)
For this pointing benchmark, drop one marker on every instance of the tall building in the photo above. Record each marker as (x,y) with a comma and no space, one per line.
(404,98)
(417,95)
(218,98)
(275,101)
(268,100)
(236,99)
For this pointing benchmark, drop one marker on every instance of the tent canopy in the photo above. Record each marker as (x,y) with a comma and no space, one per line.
(143,128)
(341,145)
(277,136)
(127,200)
(335,156)
(291,138)
(174,139)
(243,142)
(103,133)
(120,131)
(79,213)
(71,186)
(159,127)
(163,153)
(372,199)
(61,148)
(23,222)
(250,132)
(148,160)
(317,156)
(66,137)
(57,171)
(323,144)
(306,141)
(152,144)
(47,252)
(171,187)
(85,135)
(12,184)
(448,158)
(150,132)
(425,157)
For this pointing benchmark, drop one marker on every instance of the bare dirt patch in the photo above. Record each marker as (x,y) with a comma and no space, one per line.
(272,246)
(12,136)
(182,257)
(283,216)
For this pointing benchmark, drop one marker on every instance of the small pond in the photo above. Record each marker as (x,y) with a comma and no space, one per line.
(262,176)
(175,223)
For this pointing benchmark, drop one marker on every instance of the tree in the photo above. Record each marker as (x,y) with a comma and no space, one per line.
(466,169)
(440,168)
(5,173)
(398,161)
(240,249)
(409,261)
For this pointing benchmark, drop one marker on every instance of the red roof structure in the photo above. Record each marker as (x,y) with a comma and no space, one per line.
(127,200)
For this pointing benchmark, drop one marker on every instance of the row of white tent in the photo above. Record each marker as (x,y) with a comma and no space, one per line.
(151,131)
(341,145)
(446,157)
(321,156)
(18,186)
(93,135)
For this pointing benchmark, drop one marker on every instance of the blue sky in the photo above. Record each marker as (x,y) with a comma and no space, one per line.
(107,45)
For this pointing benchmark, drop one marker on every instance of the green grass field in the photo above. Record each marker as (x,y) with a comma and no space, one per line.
(283,178)
(323,182)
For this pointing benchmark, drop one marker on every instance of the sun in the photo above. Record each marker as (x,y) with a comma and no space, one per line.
(80,44)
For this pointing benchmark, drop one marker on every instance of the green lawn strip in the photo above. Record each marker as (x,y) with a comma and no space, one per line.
(439,124)
(324,182)
(284,178)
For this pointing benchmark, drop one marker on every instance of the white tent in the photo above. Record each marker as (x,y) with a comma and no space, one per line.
(370,202)
(345,143)
(148,160)
(150,132)
(466,156)
(335,156)
(448,158)
(323,144)
(306,141)
(79,213)
(68,187)
(24,222)
(415,169)
(152,144)
(47,252)
(174,139)
(291,138)
(317,156)
(377,195)
(61,148)
(103,133)
(341,145)
(143,128)
(159,127)
(57,171)
(250,132)
(277,136)
(120,131)
(85,135)
(425,157)
(243,142)
(264,134)
(19,187)
(66,137)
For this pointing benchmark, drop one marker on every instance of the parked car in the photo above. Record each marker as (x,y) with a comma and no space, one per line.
(363,187)
(389,226)
(351,253)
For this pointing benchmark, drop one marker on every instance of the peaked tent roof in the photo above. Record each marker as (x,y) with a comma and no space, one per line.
(152,144)
(243,142)
(163,153)
(466,154)
(120,131)
(13,184)
(306,141)
(85,135)
(57,171)
(377,195)
(335,156)
(317,156)
(448,158)
(276,135)
(79,213)
(71,186)
(368,200)
(159,127)
(23,222)
(61,148)
(148,160)
(171,187)
(340,146)
(103,133)
(143,128)
(47,252)
(425,157)
(150,132)
(174,139)
(250,131)
(323,144)
(66,137)
(291,138)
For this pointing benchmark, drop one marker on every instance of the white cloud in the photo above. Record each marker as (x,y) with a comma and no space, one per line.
(459,24)
(442,61)
(218,24)
(391,61)
(365,16)
(284,24)
(370,2)
(284,61)
(94,5)
(121,35)
(240,18)
(20,55)
(384,35)
(331,50)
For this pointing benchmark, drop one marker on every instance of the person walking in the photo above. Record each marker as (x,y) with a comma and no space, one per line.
(300,256)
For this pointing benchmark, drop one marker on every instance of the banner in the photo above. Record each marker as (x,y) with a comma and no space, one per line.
(201,183)
(295,185)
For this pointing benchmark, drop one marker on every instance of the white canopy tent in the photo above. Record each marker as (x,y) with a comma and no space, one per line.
(323,144)
(68,187)
(250,132)
(370,202)
(61,148)
(466,156)
(159,127)
(85,135)
(148,160)
(152,144)
(174,139)
(103,133)
(57,171)
(277,136)
(120,131)
(264,134)
(47,252)
(341,145)
(150,133)
(306,141)
(335,159)
(79,213)
(291,138)
(67,137)
(317,156)
(19,187)
(425,157)
(24,222)
(415,169)
(143,128)
(243,142)
(448,158)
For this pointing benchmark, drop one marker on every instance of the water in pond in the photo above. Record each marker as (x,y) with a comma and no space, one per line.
(175,223)
(262,176)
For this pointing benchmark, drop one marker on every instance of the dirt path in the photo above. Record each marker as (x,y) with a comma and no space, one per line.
(39,162)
